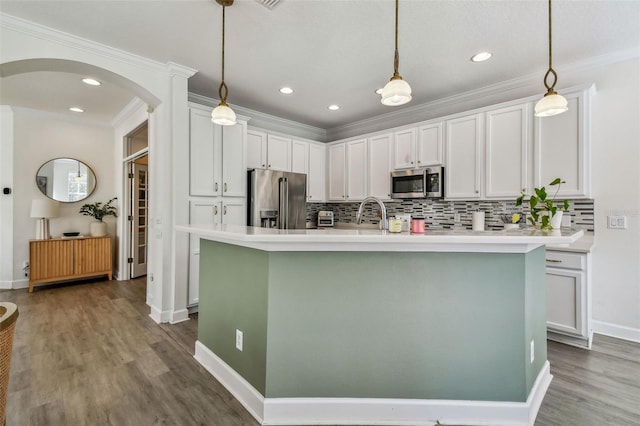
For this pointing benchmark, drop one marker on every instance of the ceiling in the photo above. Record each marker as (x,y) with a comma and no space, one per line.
(328,51)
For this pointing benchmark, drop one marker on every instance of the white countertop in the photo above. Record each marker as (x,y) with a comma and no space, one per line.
(584,244)
(367,239)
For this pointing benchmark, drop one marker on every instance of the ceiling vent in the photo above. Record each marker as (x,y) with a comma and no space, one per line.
(270,4)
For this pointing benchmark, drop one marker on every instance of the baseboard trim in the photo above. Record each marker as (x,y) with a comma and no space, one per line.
(242,390)
(14,285)
(615,330)
(373,411)
(158,315)
(179,316)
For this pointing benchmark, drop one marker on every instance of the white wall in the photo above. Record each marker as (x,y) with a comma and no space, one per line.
(616,190)
(38,138)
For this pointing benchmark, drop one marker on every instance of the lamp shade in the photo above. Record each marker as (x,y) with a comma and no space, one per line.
(551,104)
(223,115)
(44,208)
(396,92)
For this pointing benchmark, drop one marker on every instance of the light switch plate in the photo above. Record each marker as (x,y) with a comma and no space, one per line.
(617,222)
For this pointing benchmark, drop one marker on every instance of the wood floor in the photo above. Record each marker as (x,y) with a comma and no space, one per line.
(88,354)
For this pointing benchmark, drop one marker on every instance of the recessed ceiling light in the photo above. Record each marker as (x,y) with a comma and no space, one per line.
(379,91)
(334,107)
(286,90)
(76,109)
(482,56)
(91,82)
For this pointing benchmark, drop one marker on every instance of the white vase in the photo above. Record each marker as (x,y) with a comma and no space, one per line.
(98,229)
(556,220)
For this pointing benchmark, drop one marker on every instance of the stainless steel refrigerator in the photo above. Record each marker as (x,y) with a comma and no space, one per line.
(276,199)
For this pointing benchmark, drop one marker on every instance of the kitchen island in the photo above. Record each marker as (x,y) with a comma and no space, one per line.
(367,327)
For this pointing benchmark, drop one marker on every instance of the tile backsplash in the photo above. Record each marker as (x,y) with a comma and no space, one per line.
(443,214)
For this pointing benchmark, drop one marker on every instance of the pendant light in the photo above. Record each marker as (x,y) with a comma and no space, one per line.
(223,114)
(551,103)
(397,91)
(78,177)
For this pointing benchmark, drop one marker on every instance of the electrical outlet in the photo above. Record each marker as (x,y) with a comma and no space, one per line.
(239,337)
(532,352)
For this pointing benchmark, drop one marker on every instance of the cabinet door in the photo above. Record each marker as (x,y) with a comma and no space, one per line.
(562,148)
(50,259)
(92,255)
(404,148)
(357,170)
(337,173)
(234,170)
(316,182)
(234,212)
(430,144)
(205,152)
(278,153)
(299,156)
(507,141)
(463,151)
(200,213)
(565,292)
(379,166)
(256,150)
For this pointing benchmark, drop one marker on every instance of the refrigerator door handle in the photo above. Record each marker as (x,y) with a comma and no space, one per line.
(281,206)
(286,203)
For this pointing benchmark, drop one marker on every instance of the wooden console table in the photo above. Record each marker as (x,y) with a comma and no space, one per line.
(61,259)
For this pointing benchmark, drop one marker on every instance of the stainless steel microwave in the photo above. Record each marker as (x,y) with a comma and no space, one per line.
(418,183)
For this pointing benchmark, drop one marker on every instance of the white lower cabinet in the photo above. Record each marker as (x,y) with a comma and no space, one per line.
(231,211)
(568,298)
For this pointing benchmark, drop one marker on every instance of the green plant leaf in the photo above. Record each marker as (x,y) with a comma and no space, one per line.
(519,200)
(533,202)
(565,205)
(556,181)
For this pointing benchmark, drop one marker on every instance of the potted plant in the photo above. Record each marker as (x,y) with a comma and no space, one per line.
(98,211)
(544,212)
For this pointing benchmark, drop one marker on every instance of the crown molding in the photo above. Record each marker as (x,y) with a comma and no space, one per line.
(126,112)
(33,29)
(268,122)
(504,91)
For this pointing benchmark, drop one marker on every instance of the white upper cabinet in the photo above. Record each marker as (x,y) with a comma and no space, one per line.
(463,146)
(316,182)
(430,145)
(234,174)
(337,172)
(404,149)
(357,170)
(278,153)
(506,158)
(562,148)
(217,157)
(379,165)
(256,149)
(299,156)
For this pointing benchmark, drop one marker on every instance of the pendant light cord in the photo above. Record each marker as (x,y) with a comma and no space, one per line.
(396,58)
(223,85)
(550,71)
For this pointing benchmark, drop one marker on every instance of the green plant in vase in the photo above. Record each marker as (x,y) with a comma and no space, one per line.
(542,208)
(98,210)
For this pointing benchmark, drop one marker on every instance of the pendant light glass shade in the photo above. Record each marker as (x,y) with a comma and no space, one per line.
(397,91)
(551,103)
(223,114)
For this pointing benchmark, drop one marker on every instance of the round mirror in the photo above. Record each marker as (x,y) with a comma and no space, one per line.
(66,180)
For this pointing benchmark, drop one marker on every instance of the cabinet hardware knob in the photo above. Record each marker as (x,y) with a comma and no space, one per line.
(309,196)
(419,161)
(215,210)
(263,165)
(269,165)
(553,261)
(477,191)
(225,209)
(225,187)
(216,186)
(412,162)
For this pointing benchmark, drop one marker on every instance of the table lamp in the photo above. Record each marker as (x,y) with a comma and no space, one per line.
(43,210)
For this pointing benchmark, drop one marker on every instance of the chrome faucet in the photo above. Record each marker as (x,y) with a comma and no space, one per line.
(383,212)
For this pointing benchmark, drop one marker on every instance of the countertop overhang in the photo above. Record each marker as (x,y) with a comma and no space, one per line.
(520,240)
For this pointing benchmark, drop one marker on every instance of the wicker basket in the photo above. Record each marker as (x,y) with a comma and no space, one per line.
(8,316)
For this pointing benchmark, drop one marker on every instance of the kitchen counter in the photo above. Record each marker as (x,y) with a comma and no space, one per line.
(584,244)
(361,326)
(368,239)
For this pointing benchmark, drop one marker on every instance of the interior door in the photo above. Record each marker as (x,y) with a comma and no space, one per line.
(139,203)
